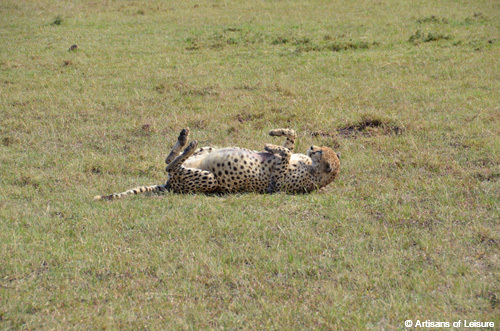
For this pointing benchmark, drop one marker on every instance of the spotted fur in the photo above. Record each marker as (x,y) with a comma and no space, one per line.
(234,169)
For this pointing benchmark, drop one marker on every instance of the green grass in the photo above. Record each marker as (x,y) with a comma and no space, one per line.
(407,91)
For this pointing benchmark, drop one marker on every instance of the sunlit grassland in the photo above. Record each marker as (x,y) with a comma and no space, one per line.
(408,92)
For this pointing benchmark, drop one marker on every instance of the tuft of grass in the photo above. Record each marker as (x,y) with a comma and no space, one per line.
(432,19)
(252,35)
(475,18)
(58,20)
(422,37)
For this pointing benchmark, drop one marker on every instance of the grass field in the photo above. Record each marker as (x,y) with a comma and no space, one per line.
(407,91)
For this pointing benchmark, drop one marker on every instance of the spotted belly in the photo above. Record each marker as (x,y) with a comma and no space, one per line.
(238,170)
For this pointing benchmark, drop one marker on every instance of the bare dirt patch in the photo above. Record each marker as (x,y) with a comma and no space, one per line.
(366,127)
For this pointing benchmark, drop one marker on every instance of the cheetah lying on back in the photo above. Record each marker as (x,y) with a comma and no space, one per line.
(234,169)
